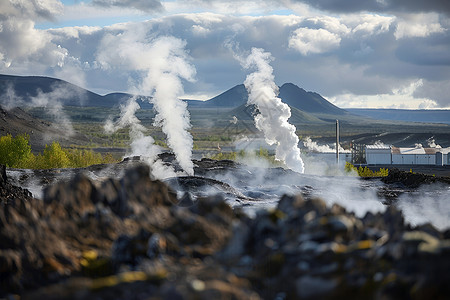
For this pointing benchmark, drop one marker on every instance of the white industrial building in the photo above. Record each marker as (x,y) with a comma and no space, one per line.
(387,155)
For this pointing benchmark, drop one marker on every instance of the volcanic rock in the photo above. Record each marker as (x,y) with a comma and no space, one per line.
(128,238)
(410,179)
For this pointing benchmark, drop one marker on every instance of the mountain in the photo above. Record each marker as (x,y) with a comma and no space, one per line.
(231,98)
(16,121)
(424,116)
(23,88)
(27,87)
(244,112)
(307,101)
(295,97)
(113,99)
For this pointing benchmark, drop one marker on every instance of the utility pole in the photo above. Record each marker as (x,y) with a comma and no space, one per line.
(337,142)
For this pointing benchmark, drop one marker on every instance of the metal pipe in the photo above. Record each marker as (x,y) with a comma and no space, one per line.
(337,142)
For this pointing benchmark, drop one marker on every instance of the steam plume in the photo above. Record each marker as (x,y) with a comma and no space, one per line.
(313,146)
(167,68)
(274,114)
(432,143)
(137,130)
(52,102)
(163,62)
(141,144)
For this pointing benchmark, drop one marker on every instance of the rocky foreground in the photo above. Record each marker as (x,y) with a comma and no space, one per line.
(132,239)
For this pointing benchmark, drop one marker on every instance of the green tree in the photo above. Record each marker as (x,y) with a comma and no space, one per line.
(82,158)
(14,150)
(54,157)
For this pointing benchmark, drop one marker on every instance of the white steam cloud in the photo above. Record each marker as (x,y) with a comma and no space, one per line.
(141,144)
(429,204)
(168,67)
(163,63)
(52,102)
(273,115)
(315,147)
(432,143)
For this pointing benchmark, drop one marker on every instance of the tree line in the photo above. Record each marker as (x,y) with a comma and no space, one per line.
(16,152)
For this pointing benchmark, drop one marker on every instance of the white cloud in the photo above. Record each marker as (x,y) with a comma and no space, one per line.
(306,41)
(73,32)
(352,54)
(30,9)
(369,23)
(418,25)
(200,30)
(143,5)
(438,90)
(331,24)
(235,7)
(362,53)
(400,98)
(21,44)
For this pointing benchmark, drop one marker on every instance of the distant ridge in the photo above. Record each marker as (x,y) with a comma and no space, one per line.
(309,107)
(17,121)
(291,94)
(408,115)
(307,101)
(26,87)
(244,112)
(231,98)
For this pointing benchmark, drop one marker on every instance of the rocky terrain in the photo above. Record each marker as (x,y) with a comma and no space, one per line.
(132,238)
(17,121)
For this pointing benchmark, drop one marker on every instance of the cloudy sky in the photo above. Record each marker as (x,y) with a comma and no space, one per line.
(356,53)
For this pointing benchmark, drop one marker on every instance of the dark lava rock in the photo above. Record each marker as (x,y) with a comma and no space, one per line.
(410,179)
(129,238)
(2,175)
(204,186)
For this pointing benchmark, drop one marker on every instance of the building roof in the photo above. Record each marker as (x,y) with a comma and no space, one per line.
(406,151)
(378,146)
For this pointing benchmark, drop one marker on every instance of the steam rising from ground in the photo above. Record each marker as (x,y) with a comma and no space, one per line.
(257,180)
(427,205)
(163,63)
(52,102)
(273,115)
(141,144)
(168,66)
(313,146)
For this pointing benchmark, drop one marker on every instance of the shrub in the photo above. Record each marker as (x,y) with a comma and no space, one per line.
(365,172)
(349,168)
(83,158)
(222,156)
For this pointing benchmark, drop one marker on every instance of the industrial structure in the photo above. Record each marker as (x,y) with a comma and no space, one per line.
(390,155)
